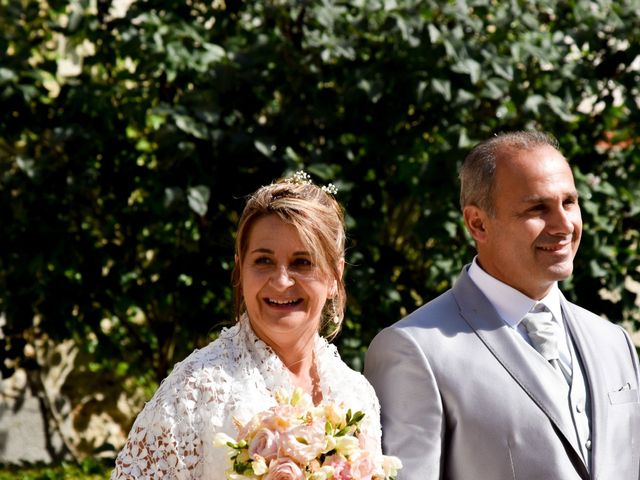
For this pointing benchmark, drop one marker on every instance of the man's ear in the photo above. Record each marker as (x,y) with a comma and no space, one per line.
(475,220)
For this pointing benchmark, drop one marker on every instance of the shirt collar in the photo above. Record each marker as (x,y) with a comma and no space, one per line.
(511,304)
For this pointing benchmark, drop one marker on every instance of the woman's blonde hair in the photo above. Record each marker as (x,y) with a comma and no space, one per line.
(318,219)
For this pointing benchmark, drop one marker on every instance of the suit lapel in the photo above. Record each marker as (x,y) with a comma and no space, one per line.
(529,372)
(593,378)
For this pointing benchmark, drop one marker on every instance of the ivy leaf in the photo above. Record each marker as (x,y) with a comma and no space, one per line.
(198,198)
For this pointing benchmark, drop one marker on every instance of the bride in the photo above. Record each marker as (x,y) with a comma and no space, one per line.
(288,288)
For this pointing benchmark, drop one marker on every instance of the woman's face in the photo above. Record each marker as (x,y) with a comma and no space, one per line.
(283,290)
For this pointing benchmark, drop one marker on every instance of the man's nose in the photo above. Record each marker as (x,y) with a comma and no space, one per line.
(562,221)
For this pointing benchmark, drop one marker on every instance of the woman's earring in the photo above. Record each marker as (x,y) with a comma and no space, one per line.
(334,311)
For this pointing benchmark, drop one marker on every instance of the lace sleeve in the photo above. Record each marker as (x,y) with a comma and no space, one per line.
(152,449)
(171,436)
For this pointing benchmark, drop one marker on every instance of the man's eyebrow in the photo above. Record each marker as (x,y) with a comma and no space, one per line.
(541,198)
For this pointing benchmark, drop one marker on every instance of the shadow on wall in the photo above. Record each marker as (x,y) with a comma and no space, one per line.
(25,436)
(62,410)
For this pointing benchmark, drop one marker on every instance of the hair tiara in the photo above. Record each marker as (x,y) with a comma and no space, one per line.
(303,178)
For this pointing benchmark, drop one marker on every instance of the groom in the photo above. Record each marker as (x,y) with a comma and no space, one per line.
(501,377)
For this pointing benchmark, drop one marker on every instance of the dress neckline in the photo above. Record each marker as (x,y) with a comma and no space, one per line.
(273,369)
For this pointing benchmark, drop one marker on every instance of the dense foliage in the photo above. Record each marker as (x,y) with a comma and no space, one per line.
(89,469)
(130,136)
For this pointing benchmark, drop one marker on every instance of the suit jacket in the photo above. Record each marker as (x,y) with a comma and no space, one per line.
(463,398)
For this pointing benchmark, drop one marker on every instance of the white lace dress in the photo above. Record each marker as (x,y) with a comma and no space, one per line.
(234,376)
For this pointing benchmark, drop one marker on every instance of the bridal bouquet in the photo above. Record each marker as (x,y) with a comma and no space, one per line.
(296,440)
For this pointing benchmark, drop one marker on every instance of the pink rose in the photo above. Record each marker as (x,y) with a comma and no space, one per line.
(280,418)
(341,468)
(264,444)
(251,427)
(283,469)
(362,466)
(368,462)
(276,418)
(303,443)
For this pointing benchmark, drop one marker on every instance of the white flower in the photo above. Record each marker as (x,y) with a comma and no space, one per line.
(391,465)
(221,439)
(259,465)
(331,444)
(324,473)
(347,445)
(237,476)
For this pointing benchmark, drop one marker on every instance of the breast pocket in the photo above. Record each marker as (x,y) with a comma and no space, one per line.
(623,396)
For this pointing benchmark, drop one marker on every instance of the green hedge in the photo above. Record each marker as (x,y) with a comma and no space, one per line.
(127,145)
(88,470)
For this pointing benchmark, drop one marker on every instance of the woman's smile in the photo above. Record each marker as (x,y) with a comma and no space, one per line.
(283,289)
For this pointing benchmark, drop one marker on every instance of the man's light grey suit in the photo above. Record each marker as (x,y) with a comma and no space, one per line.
(464,398)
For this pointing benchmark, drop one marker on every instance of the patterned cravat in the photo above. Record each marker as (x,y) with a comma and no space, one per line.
(543,333)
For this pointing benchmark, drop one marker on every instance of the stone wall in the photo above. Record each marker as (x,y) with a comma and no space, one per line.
(24,432)
(61,410)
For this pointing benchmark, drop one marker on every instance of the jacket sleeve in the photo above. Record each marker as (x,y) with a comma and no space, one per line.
(413,423)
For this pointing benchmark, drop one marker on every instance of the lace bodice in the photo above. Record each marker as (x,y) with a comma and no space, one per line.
(234,376)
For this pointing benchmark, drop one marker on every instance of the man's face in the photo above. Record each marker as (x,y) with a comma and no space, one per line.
(532,239)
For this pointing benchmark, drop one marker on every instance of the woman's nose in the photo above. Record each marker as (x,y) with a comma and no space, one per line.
(282,278)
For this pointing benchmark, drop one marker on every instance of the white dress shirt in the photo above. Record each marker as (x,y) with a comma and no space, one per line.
(513,305)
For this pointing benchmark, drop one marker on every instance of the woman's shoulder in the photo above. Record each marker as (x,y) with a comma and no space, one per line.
(220,352)
(206,370)
(358,382)
(340,376)
(196,400)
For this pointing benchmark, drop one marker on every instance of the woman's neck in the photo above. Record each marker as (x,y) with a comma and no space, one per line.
(299,359)
(296,351)
(304,374)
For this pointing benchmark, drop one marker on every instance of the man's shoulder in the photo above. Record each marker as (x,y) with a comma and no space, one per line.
(584,315)
(598,327)
(444,308)
(433,312)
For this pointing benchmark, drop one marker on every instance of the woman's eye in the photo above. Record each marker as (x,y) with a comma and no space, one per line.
(262,261)
(302,262)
